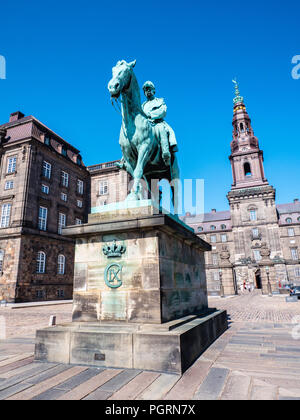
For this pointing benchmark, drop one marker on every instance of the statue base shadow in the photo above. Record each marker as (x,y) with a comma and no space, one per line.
(140,296)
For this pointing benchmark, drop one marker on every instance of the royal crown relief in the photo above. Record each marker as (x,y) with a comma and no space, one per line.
(113,272)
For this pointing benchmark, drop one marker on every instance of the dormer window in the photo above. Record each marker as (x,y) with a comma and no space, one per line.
(64,151)
(47,140)
(213,227)
(288,220)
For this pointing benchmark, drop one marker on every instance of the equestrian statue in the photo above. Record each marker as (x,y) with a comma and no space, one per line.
(147,142)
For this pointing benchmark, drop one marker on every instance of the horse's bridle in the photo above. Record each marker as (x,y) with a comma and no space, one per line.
(116,99)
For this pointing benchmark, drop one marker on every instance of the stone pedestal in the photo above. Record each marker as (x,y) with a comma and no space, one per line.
(140,298)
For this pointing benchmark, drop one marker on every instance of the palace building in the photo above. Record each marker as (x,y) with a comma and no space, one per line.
(256,241)
(45,186)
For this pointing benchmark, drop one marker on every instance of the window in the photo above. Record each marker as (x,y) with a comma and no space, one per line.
(257,255)
(298,219)
(1,260)
(80,186)
(64,151)
(78,221)
(5,215)
(213,238)
(103,203)
(47,140)
(43,212)
(297,272)
(63,196)
(45,189)
(212,227)
(9,185)
(224,238)
(288,220)
(41,262)
(79,203)
(40,294)
(242,127)
(64,179)
(294,253)
(253,215)
(247,169)
(11,164)
(61,264)
(200,229)
(61,222)
(215,259)
(103,187)
(46,169)
(255,233)
(60,293)
(223,227)
(291,232)
(78,160)
(216,276)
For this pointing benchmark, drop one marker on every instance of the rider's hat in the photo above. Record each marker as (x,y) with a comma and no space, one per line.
(148,84)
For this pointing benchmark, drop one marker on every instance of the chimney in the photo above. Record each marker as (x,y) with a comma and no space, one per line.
(15,116)
(213,210)
(296,200)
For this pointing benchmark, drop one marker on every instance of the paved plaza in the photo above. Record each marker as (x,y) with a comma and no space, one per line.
(257,358)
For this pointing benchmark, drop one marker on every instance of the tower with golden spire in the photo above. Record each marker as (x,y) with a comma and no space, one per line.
(246,157)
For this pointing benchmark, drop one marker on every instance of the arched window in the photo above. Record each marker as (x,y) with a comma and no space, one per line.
(247,169)
(200,228)
(242,127)
(223,227)
(253,214)
(288,220)
(61,264)
(1,260)
(41,262)
(212,227)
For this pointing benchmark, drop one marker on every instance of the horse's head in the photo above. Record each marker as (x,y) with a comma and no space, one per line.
(121,78)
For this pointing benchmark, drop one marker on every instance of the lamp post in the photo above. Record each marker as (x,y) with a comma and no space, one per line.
(221,284)
(269,284)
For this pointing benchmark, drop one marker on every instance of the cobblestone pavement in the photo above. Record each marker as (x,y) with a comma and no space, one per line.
(257,307)
(257,358)
(25,321)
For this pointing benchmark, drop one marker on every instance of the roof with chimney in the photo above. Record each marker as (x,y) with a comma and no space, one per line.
(213,216)
(289,207)
(18,119)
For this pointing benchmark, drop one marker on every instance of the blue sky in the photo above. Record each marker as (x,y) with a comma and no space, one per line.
(59,57)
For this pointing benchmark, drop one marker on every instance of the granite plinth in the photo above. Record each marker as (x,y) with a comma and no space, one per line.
(140,296)
(172,347)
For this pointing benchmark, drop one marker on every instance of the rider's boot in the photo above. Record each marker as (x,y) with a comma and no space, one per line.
(166,155)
